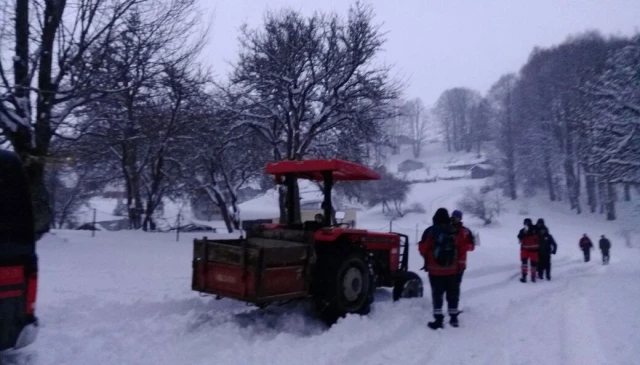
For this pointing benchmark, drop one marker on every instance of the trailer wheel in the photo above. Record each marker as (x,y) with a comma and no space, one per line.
(352,285)
(408,285)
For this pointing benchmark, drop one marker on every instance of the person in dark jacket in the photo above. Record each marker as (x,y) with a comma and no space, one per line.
(439,247)
(605,246)
(528,249)
(466,236)
(540,224)
(546,247)
(586,245)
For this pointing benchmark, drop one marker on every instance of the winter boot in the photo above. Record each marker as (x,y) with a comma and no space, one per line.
(523,279)
(533,278)
(454,321)
(437,323)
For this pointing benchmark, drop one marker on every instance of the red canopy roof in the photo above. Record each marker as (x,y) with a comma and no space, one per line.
(312,170)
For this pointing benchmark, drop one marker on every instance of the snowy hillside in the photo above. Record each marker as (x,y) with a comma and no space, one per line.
(125,298)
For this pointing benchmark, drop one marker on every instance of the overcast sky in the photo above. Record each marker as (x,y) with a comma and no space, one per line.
(439,44)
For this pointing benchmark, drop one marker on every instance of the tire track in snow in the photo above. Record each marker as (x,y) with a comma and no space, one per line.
(383,344)
(493,270)
(484,289)
(581,343)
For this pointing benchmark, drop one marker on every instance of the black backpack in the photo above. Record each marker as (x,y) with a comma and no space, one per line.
(445,250)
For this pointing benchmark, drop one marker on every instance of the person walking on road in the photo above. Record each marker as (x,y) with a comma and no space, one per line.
(586,245)
(440,247)
(605,246)
(547,246)
(540,224)
(467,242)
(528,249)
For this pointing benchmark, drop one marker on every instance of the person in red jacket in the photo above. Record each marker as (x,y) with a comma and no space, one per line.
(440,247)
(467,241)
(528,238)
(586,245)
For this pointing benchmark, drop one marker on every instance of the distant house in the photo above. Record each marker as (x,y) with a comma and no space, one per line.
(461,167)
(481,171)
(114,191)
(410,165)
(112,225)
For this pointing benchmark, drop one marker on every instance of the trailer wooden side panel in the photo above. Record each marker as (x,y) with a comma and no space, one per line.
(257,270)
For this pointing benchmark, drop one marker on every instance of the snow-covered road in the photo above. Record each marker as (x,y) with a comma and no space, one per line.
(125,298)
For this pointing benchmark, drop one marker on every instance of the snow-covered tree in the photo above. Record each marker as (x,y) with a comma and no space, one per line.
(222,161)
(144,124)
(300,78)
(501,101)
(416,118)
(455,111)
(49,74)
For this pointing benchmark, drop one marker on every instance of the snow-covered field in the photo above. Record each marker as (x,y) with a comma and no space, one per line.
(125,298)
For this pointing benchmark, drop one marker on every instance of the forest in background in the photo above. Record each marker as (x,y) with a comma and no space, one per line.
(111,92)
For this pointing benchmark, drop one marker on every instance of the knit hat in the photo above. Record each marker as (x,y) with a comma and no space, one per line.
(456,214)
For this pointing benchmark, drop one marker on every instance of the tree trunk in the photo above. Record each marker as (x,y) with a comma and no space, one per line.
(627,192)
(135,207)
(591,192)
(511,173)
(549,177)
(602,195)
(39,197)
(225,215)
(510,150)
(611,202)
(572,178)
(148,223)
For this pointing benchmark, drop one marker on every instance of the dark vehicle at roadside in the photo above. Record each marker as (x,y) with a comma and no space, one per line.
(18,258)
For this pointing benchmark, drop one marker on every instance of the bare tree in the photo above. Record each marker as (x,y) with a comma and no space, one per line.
(222,161)
(151,65)
(51,68)
(300,78)
(502,102)
(454,109)
(417,120)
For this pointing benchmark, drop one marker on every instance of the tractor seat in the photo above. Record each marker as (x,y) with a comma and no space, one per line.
(312,226)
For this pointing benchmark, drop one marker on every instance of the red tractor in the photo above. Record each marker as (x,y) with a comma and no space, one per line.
(338,266)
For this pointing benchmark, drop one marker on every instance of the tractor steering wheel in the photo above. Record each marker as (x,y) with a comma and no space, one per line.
(342,224)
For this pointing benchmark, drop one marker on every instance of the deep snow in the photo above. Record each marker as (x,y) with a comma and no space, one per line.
(125,298)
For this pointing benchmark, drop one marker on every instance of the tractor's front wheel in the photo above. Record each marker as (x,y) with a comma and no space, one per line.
(408,285)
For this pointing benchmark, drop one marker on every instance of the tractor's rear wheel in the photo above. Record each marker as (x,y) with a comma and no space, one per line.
(408,285)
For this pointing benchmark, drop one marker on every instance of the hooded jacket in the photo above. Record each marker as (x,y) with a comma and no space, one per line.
(465,236)
(547,245)
(441,224)
(528,239)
